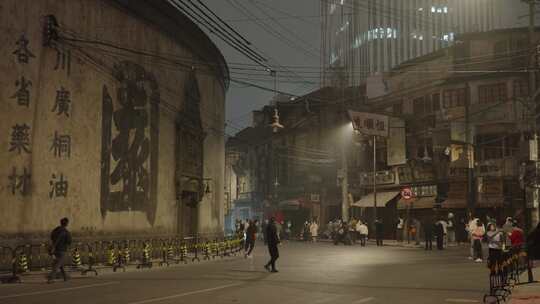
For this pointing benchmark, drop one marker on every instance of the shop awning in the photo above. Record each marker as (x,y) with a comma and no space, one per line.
(382,199)
(417,203)
(454,203)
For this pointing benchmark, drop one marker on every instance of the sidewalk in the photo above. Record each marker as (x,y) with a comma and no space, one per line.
(527,293)
(393,243)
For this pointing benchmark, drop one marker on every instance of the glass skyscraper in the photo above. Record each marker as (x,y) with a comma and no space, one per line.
(363,37)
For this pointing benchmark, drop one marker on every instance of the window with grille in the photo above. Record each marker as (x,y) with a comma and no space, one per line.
(490,146)
(454,98)
(492,93)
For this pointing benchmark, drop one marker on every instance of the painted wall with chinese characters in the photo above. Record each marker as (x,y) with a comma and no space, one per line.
(87,129)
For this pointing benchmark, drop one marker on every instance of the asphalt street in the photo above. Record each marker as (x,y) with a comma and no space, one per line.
(309,273)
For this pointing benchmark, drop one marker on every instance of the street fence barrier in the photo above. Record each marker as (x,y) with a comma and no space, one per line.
(92,256)
(505,273)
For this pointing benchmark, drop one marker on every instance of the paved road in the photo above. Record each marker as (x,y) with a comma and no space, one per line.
(309,273)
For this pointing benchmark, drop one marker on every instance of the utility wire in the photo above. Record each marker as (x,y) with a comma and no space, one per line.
(218,33)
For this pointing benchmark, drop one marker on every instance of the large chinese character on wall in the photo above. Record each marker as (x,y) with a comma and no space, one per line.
(130,142)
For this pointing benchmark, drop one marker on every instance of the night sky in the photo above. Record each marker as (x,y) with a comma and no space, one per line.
(242,100)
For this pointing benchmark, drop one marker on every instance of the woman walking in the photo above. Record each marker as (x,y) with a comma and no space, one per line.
(477,235)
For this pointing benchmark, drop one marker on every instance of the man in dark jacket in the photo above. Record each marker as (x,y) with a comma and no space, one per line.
(428,233)
(379,232)
(61,239)
(251,235)
(272,240)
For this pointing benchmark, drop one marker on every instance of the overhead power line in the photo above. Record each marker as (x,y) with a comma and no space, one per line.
(215,28)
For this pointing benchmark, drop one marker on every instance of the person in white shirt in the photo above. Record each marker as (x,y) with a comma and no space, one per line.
(471,227)
(314,230)
(362,229)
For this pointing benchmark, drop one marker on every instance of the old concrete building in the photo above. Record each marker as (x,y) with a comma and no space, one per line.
(468,123)
(112,114)
(293,173)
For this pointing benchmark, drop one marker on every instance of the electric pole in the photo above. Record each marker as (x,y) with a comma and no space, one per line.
(534,216)
(344,162)
(344,185)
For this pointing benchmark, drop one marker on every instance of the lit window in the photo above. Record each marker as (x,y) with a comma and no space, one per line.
(445,9)
(421,9)
(433,9)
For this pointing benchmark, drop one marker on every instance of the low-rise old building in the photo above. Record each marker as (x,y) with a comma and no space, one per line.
(292,173)
(460,131)
(467,128)
(112,114)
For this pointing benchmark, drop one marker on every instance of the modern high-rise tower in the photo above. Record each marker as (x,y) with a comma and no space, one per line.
(363,37)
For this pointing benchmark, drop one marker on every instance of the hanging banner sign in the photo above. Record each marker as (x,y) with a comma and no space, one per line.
(396,143)
(370,123)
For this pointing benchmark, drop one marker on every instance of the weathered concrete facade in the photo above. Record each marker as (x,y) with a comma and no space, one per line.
(117,123)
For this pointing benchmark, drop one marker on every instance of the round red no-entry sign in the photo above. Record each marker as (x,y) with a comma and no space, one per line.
(406,193)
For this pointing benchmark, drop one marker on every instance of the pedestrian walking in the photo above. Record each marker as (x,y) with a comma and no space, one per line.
(444,223)
(352,230)
(279,229)
(305,232)
(507,229)
(251,236)
(477,236)
(439,234)
(495,244)
(379,232)
(273,241)
(288,230)
(399,230)
(461,230)
(60,241)
(471,226)
(314,230)
(450,229)
(363,232)
(428,234)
